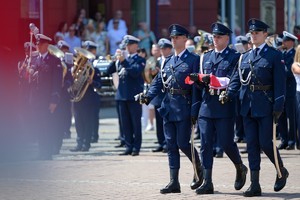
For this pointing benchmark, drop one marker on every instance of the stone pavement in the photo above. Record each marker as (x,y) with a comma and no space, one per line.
(102,174)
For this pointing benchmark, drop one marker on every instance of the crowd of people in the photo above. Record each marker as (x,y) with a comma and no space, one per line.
(228,93)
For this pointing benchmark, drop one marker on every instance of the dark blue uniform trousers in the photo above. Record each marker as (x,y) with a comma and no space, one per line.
(177,136)
(287,122)
(223,129)
(258,132)
(130,115)
(159,128)
(84,123)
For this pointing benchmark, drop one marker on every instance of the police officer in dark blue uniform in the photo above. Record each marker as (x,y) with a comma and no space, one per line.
(261,75)
(166,47)
(287,121)
(45,96)
(85,110)
(215,119)
(177,108)
(131,82)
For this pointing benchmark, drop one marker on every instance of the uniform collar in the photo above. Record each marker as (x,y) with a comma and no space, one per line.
(180,54)
(220,51)
(260,47)
(43,56)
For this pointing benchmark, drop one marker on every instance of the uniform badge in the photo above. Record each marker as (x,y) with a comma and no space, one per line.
(174,28)
(216,27)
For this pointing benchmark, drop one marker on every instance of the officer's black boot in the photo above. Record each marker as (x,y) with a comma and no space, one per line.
(280,182)
(173,186)
(207,187)
(241,173)
(195,184)
(254,189)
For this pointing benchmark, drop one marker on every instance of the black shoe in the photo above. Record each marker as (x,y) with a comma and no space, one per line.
(120,145)
(241,173)
(206,188)
(282,146)
(125,153)
(280,182)
(290,147)
(158,149)
(253,191)
(135,153)
(85,149)
(76,149)
(173,186)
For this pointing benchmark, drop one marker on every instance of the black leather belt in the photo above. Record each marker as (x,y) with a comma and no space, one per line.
(260,87)
(215,91)
(179,91)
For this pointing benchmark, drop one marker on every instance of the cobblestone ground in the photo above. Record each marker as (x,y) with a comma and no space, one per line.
(102,174)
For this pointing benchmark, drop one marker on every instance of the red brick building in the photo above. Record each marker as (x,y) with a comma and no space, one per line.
(47,14)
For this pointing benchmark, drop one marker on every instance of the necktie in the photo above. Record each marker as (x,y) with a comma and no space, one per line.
(176,59)
(217,55)
(256,52)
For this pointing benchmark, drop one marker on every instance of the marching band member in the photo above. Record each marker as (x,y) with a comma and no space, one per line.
(86,108)
(45,96)
(130,83)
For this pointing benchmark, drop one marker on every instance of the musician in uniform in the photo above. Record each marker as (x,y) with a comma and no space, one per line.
(216,121)
(92,47)
(45,96)
(68,81)
(85,109)
(64,106)
(177,108)
(287,120)
(261,80)
(166,47)
(131,82)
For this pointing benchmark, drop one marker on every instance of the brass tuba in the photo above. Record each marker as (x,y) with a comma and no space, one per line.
(54,50)
(83,72)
